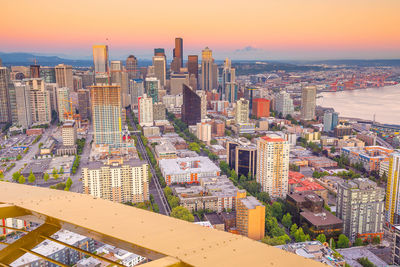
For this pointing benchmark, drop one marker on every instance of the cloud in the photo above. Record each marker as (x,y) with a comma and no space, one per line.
(248,49)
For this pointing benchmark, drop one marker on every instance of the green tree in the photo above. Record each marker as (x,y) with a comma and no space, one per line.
(16,176)
(55,173)
(1,175)
(242,178)
(321,238)
(287,220)
(182,213)
(19,157)
(332,243)
(358,242)
(194,147)
(31,177)
(333,149)
(343,241)
(277,210)
(68,183)
(264,197)
(21,179)
(365,262)
(234,175)
(276,241)
(46,177)
(376,240)
(293,229)
(61,170)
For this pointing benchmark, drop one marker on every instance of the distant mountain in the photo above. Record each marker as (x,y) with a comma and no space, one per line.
(26,59)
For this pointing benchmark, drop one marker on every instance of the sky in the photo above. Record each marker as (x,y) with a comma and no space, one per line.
(251,29)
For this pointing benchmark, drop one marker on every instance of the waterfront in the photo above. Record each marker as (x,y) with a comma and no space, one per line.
(384,102)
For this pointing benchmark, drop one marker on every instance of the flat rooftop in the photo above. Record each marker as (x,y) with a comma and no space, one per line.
(250,202)
(323,218)
(187,165)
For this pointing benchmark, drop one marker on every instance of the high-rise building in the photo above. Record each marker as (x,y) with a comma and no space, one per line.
(84,104)
(64,76)
(35,71)
(331,120)
(203,131)
(159,52)
(51,88)
(48,74)
(152,86)
(207,70)
(242,157)
(120,77)
(191,108)
(242,111)
(178,51)
(40,101)
(68,133)
(260,107)
(176,82)
(273,165)
(229,85)
(5,115)
(131,66)
(23,104)
(250,216)
(284,104)
(160,64)
(106,114)
(117,181)
(193,65)
(64,102)
(136,88)
(308,102)
(13,102)
(159,111)
(145,108)
(100,59)
(360,204)
(392,205)
(203,103)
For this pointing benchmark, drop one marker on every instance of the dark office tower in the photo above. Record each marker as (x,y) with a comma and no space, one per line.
(191,108)
(131,67)
(193,65)
(159,52)
(242,157)
(35,71)
(177,62)
(4,98)
(48,74)
(84,103)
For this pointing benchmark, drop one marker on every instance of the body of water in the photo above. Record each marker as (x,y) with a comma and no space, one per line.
(384,102)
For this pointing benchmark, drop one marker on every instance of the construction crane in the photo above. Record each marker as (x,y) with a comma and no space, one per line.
(69,115)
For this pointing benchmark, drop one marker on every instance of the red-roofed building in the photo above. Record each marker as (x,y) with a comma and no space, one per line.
(260,107)
(299,183)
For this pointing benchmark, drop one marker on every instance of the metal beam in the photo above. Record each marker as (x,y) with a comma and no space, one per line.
(165,262)
(11,211)
(82,251)
(15,229)
(13,251)
(44,257)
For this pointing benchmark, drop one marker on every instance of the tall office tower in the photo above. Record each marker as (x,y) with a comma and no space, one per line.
(229,86)
(203,103)
(84,104)
(273,165)
(117,181)
(331,120)
(242,157)
(51,88)
(207,70)
(120,77)
(23,104)
(284,104)
(250,216)
(160,64)
(106,114)
(191,108)
(77,82)
(308,102)
(40,101)
(176,82)
(35,71)
(260,107)
(159,112)
(193,65)
(64,103)
(360,204)
(13,103)
(177,61)
(48,74)
(392,205)
(145,111)
(131,66)
(136,88)
(5,115)
(215,77)
(87,79)
(242,111)
(68,133)
(100,59)
(64,76)
(152,86)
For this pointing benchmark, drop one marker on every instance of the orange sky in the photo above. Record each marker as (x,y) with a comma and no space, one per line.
(272,27)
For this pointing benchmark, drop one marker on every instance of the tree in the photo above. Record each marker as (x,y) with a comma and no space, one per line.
(376,240)
(1,175)
(287,220)
(276,241)
(358,242)
(333,149)
(61,170)
(234,175)
(46,177)
(19,157)
(194,147)
(365,262)
(332,243)
(277,210)
(68,183)
(55,173)
(293,229)
(321,238)
(242,178)
(31,177)
(300,236)
(343,241)
(16,176)
(182,213)
(264,197)
(21,179)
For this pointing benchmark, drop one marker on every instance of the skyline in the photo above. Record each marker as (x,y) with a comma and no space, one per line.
(261,30)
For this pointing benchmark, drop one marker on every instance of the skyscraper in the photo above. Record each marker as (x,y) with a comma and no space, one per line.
(136,88)
(152,86)
(40,101)
(207,70)
(273,165)
(35,71)
(23,104)
(284,104)
(229,86)
(64,76)
(260,107)
(159,64)
(131,67)
(145,108)
(331,120)
(242,111)
(308,102)
(120,77)
(84,103)
(177,61)
(5,115)
(106,114)
(176,82)
(193,65)
(48,74)
(100,59)
(64,104)
(191,108)
(392,205)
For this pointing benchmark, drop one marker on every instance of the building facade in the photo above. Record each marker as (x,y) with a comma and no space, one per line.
(250,216)
(146,111)
(392,205)
(40,101)
(242,111)
(308,102)
(64,76)
(192,106)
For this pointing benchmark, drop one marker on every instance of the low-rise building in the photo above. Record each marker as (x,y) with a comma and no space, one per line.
(320,162)
(299,183)
(165,150)
(370,156)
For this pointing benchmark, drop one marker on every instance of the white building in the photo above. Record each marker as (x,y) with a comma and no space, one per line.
(308,102)
(242,111)
(284,104)
(203,131)
(146,111)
